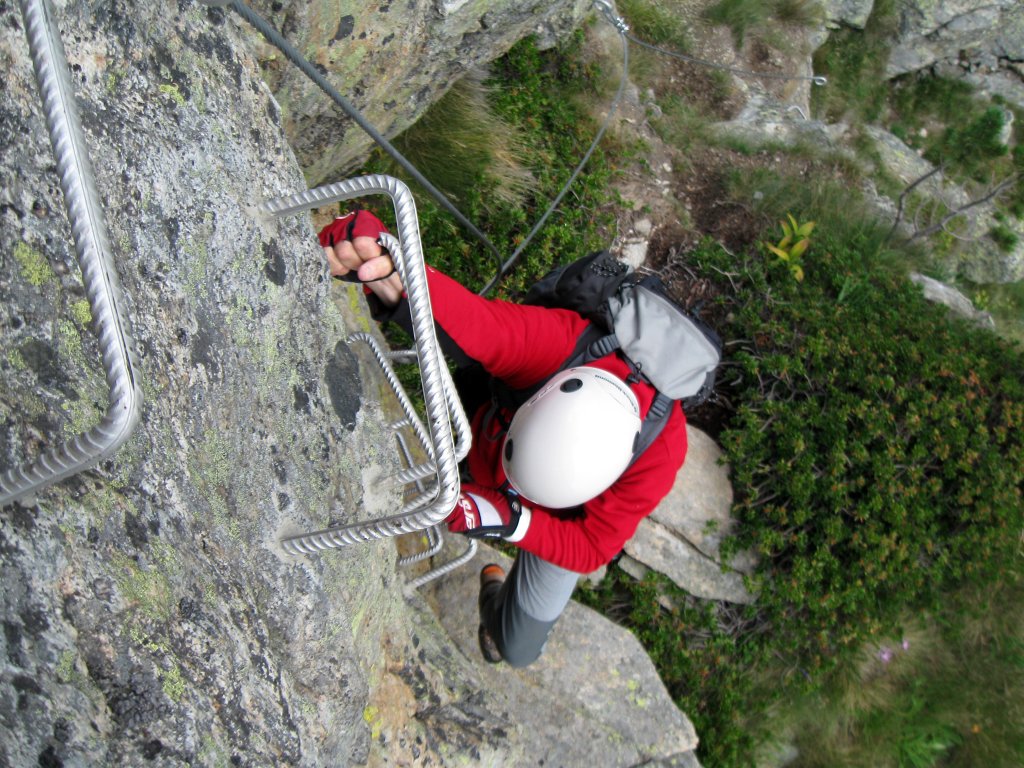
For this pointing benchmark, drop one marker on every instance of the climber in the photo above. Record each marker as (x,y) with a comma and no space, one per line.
(555,476)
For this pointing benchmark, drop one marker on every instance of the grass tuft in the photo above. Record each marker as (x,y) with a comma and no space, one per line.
(461,143)
(739,16)
(743,16)
(655,24)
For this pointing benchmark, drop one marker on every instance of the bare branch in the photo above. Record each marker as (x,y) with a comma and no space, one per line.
(990,195)
(961,238)
(903,198)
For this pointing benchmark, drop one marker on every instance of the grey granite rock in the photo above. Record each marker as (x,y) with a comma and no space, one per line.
(698,507)
(932,31)
(683,535)
(593,698)
(952,298)
(390,60)
(150,614)
(988,262)
(851,13)
(659,548)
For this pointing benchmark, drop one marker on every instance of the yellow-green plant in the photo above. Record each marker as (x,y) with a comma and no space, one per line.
(790,249)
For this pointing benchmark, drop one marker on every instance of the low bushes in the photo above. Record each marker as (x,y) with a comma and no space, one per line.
(877,449)
(877,455)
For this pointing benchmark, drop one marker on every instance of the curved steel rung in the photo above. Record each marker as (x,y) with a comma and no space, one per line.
(442,403)
(92,247)
(440,571)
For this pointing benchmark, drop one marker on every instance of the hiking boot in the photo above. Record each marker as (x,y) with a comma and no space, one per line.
(492,576)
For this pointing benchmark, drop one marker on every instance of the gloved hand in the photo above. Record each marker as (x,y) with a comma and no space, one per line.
(353,253)
(488,513)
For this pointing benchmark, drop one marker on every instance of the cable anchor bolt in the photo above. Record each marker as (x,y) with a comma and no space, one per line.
(614,19)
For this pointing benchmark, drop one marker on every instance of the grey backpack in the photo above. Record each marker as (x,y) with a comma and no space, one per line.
(665,345)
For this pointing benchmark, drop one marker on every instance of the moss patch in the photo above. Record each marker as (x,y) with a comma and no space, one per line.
(81,312)
(173,683)
(32,265)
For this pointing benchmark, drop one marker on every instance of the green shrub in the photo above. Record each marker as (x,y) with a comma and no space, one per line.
(655,24)
(918,98)
(873,466)
(877,456)
(1004,237)
(854,62)
(960,129)
(969,146)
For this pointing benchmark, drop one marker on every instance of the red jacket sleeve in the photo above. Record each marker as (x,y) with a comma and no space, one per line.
(516,343)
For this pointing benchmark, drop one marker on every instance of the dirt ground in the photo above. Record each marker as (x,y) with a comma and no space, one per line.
(683,198)
(673,201)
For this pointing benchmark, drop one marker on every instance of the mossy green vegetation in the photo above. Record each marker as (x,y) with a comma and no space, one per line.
(657,24)
(541,93)
(32,265)
(81,313)
(173,683)
(173,92)
(946,689)
(147,587)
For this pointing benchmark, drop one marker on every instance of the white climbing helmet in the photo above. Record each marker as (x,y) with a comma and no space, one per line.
(572,439)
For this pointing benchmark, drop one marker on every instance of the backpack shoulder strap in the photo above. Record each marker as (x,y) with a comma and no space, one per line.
(654,422)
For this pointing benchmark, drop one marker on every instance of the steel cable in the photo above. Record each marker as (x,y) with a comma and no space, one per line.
(586,158)
(310,71)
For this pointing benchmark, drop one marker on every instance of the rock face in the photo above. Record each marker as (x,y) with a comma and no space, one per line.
(390,60)
(989,262)
(765,120)
(944,294)
(593,698)
(981,31)
(149,614)
(852,13)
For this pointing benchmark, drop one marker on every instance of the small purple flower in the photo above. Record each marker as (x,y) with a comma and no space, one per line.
(885,654)
(905,645)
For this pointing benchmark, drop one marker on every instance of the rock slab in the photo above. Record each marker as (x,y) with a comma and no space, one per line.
(593,698)
(683,536)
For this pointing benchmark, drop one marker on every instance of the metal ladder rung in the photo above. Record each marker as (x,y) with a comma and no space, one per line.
(444,411)
(92,248)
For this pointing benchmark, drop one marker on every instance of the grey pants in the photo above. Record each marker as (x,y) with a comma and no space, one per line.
(520,614)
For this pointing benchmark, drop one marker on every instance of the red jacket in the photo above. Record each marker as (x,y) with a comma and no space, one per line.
(522,345)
